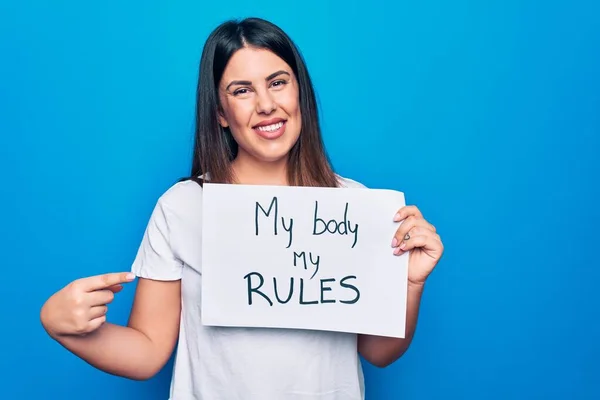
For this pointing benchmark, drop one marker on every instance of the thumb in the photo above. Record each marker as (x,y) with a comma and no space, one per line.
(115,288)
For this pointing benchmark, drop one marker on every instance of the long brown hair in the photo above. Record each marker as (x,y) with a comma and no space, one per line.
(214,146)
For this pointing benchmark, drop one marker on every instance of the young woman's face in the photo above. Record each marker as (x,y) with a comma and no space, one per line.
(260,104)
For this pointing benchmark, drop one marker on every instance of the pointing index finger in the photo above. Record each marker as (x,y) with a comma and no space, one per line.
(107,280)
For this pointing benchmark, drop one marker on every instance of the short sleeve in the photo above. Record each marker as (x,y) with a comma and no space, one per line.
(350,183)
(155,257)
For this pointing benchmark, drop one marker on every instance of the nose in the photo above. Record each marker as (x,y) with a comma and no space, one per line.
(265,104)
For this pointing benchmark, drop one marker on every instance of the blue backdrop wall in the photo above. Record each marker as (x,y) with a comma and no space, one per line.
(486,114)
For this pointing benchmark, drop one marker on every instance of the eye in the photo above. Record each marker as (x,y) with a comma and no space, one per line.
(279,83)
(241,91)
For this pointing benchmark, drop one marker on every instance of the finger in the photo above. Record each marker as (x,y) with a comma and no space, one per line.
(414,242)
(115,288)
(424,239)
(97,312)
(429,244)
(408,224)
(421,221)
(107,280)
(407,211)
(410,241)
(429,226)
(96,323)
(100,297)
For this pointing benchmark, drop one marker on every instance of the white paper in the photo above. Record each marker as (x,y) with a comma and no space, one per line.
(351,281)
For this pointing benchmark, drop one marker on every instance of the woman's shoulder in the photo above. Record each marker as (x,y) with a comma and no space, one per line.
(346,182)
(185,194)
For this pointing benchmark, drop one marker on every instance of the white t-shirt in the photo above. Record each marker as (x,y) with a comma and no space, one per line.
(214,363)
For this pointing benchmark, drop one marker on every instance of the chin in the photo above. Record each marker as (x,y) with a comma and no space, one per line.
(274,151)
(271,156)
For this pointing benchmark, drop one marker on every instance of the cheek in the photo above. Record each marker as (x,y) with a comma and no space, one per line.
(291,104)
(239,114)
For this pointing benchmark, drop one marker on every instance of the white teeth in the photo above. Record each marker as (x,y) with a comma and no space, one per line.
(270,128)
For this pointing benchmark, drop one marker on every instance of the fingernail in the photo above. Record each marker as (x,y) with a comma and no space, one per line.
(130,276)
(402,246)
(397,217)
(394,242)
(397,251)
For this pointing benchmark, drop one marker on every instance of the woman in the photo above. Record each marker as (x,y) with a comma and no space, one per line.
(257,123)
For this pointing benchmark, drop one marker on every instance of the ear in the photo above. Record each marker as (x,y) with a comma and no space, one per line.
(222,121)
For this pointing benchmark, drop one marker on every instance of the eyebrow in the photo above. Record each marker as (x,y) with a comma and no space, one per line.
(268,78)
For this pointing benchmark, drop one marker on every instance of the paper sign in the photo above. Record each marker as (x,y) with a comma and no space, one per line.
(302,258)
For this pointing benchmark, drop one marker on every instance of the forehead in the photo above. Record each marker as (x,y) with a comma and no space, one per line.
(252,64)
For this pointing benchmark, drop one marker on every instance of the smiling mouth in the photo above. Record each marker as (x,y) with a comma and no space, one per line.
(271,131)
(270,128)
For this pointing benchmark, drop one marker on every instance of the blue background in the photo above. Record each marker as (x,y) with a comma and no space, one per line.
(486,114)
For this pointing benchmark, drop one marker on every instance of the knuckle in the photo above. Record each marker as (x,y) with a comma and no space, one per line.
(75,286)
(105,279)
(79,314)
(80,327)
(76,300)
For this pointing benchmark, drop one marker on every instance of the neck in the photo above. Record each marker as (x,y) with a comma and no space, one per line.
(249,171)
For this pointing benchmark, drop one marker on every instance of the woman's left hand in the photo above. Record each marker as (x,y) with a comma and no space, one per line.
(420,237)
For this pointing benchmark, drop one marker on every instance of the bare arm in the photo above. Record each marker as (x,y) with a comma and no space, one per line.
(383,351)
(136,351)
(419,237)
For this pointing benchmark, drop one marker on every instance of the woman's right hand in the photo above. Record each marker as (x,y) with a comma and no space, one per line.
(80,307)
